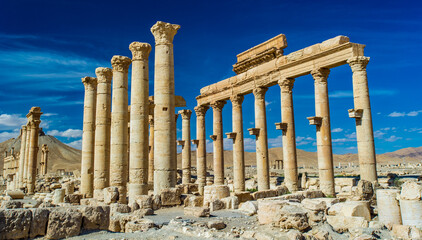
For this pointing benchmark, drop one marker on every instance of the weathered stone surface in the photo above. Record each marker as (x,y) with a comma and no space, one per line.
(293,217)
(139,225)
(269,210)
(69,187)
(64,222)
(111,195)
(156,202)
(144,201)
(216,224)
(365,190)
(215,192)
(170,197)
(406,232)
(295,235)
(216,205)
(15,223)
(314,204)
(74,198)
(231,202)
(197,211)
(250,207)
(58,196)
(39,222)
(95,217)
(351,209)
(194,201)
(118,221)
(15,194)
(265,194)
(411,191)
(342,223)
(11,204)
(140,213)
(91,202)
(242,196)
(119,208)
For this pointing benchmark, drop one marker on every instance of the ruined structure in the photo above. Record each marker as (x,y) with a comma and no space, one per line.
(44,160)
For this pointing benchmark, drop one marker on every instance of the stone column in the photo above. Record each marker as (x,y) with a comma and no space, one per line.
(262,161)
(28,140)
(151,151)
(289,135)
(164,138)
(139,103)
(238,146)
(362,114)
(174,162)
(44,159)
(201,150)
(119,126)
(34,117)
(217,137)
(186,158)
(323,132)
(22,157)
(102,132)
(88,137)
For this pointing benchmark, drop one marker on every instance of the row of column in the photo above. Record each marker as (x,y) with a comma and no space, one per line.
(29,151)
(106,140)
(361,112)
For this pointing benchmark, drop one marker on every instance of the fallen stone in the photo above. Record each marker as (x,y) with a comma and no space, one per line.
(63,223)
(242,196)
(216,224)
(73,198)
(15,223)
(39,222)
(170,197)
(15,194)
(411,191)
(342,224)
(295,235)
(111,195)
(144,201)
(314,204)
(351,209)
(231,202)
(118,221)
(156,202)
(140,213)
(69,187)
(406,232)
(95,217)
(249,208)
(264,194)
(213,192)
(58,196)
(140,225)
(119,208)
(365,190)
(11,204)
(293,217)
(269,210)
(194,201)
(216,205)
(197,211)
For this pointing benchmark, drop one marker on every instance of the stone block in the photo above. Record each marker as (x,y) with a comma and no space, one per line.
(15,223)
(293,217)
(215,192)
(406,232)
(314,204)
(119,208)
(216,205)
(140,225)
(144,201)
(333,42)
(11,204)
(69,187)
(197,211)
(95,217)
(91,202)
(249,208)
(231,202)
(351,209)
(156,202)
(265,194)
(194,201)
(111,195)
(365,190)
(342,223)
(58,196)
(118,221)
(74,198)
(269,210)
(190,188)
(63,223)
(411,191)
(39,222)
(170,197)
(216,224)
(242,196)
(15,194)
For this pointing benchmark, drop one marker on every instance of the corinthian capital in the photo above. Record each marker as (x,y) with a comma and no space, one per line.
(320,75)
(35,123)
(358,63)
(286,84)
(185,113)
(164,32)
(259,92)
(237,100)
(218,105)
(140,51)
(90,83)
(201,110)
(104,75)
(120,63)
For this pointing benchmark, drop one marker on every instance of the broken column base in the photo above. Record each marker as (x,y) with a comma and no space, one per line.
(214,192)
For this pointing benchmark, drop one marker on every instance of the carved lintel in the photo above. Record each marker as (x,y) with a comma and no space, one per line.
(355,113)
(231,135)
(195,141)
(281,126)
(253,131)
(213,137)
(315,121)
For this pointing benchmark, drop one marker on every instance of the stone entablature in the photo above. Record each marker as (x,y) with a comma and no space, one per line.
(328,54)
(261,53)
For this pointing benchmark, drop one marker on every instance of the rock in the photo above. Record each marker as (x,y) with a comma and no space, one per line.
(119,208)
(269,210)
(249,208)
(365,190)
(39,222)
(11,204)
(242,196)
(264,194)
(312,194)
(111,195)
(58,196)
(406,232)
(351,209)
(140,213)
(95,217)
(69,187)
(281,190)
(91,202)
(15,223)
(216,224)
(213,192)
(63,223)
(139,225)
(314,204)
(15,194)
(293,217)
(118,221)
(197,211)
(411,191)
(295,235)
(156,202)
(144,201)
(216,205)
(170,197)
(194,201)
(231,202)
(74,198)
(342,223)
(190,188)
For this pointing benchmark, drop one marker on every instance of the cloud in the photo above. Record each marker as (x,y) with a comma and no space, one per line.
(8,135)
(379,134)
(10,121)
(335,130)
(76,144)
(49,114)
(403,114)
(304,140)
(393,138)
(69,133)
(267,103)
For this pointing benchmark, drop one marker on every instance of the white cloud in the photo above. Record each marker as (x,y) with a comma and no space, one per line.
(379,134)
(397,114)
(9,121)
(402,114)
(8,135)
(49,114)
(69,133)
(393,138)
(335,130)
(76,144)
(267,103)
(351,135)
(304,140)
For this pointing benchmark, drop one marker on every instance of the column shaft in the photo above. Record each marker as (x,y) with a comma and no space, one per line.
(364,129)
(22,157)
(238,145)
(34,117)
(323,133)
(151,151)
(139,112)
(88,137)
(217,108)
(201,151)
(28,141)
(186,157)
(119,126)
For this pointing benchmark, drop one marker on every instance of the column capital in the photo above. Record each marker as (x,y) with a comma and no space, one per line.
(120,63)
(286,84)
(358,63)
(140,51)
(259,92)
(185,113)
(35,123)
(320,75)
(24,127)
(104,75)
(237,100)
(201,110)
(164,32)
(218,105)
(34,114)
(151,120)
(90,83)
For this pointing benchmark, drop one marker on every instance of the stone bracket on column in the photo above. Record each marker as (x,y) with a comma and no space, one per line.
(253,131)
(281,126)
(355,113)
(195,141)
(213,137)
(181,142)
(231,135)
(315,121)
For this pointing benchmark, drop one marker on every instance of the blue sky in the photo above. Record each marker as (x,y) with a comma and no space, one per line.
(47,46)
